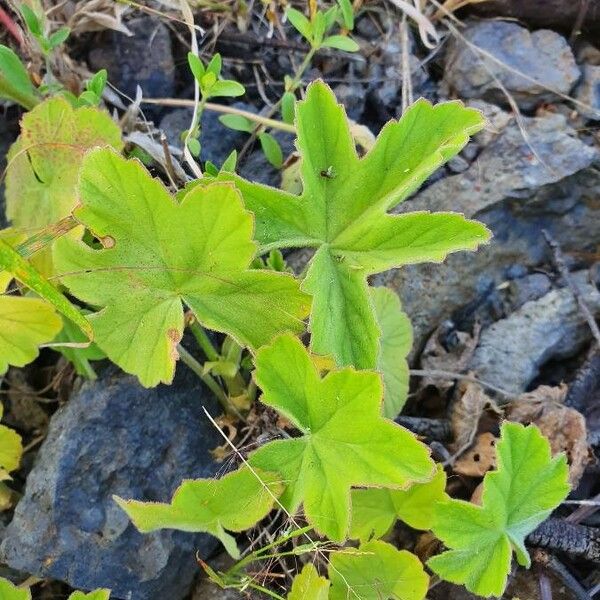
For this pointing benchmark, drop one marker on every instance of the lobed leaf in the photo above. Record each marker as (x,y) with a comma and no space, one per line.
(342,212)
(160,254)
(345,441)
(235,502)
(376,571)
(394,345)
(44,162)
(309,585)
(9,591)
(374,511)
(95,595)
(521,493)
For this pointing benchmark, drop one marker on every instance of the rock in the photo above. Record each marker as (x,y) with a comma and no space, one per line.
(217,140)
(385,69)
(143,59)
(257,168)
(543,55)
(516,196)
(353,97)
(115,437)
(511,351)
(554,14)
(588,92)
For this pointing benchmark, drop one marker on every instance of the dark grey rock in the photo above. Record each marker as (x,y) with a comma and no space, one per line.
(511,351)
(115,437)
(353,97)
(217,140)
(143,59)
(257,168)
(385,69)
(588,92)
(542,55)
(516,195)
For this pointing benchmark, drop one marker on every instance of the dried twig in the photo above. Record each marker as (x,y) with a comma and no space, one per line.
(435,373)
(550,562)
(561,265)
(432,429)
(562,536)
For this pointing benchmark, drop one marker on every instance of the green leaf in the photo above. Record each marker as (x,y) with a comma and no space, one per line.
(214,65)
(347,13)
(342,212)
(196,66)
(15,84)
(345,442)
(11,261)
(309,585)
(376,571)
(271,148)
(395,344)
(235,502)
(374,511)
(25,324)
(230,162)
(79,357)
(41,179)
(160,254)
(58,37)
(288,102)
(11,446)
(95,595)
(237,122)
(31,20)
(226,88)
(341,42)
(194,146)
(8,591)
(299,22)
(526,487)
(98,82)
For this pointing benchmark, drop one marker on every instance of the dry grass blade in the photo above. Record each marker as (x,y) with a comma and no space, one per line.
(429,35)
(450,6)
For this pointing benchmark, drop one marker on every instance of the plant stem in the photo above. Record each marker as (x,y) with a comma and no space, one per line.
(257,554)
(204,341)
(195,366)
(266,591)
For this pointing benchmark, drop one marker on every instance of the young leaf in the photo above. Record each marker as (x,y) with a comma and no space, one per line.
(527,485)
(342,212)
(395,344)
(214,65)
(11,261)
(226,88)
(58,37)
(309,585)
(159,254)
(374,511)
(11,448)
(196,66)
(9,591)
(235,502)
(341,42)
(237,122)
(31,20)
(288,101)
(15,84)
(270,146)
(95,595)
(300,23)
(44,162)
(345,442)
(376,571)
(347,13)
(25,323)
